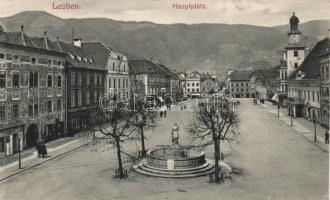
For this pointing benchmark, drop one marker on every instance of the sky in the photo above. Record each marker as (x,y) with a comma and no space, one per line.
(254,12)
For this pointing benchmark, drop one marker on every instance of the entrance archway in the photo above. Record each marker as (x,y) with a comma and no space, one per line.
(32,135)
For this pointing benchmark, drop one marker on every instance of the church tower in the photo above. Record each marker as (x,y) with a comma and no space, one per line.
(294,53)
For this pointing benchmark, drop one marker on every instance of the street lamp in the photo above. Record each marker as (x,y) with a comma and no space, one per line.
(291,113)
(19,153)
(314,121)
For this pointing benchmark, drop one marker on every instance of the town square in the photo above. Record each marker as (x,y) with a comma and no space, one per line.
(97,108)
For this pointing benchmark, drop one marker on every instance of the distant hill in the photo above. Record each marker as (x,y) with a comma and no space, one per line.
(203,47)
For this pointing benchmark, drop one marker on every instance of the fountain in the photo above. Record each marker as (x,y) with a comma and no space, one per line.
(174,161)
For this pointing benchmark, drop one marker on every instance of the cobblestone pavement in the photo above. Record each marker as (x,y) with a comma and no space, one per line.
(272,161)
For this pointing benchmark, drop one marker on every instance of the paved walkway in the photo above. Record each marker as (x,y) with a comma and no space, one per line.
(29,158)
(301,125)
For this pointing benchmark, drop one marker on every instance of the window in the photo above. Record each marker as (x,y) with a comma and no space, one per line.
(15,80)
(119,85)
(295,65)
(114,83)
(193,84)
(110,84)
(59,105)
(73,78)
(98,80)
(242,84)
(113,66)
(313,97)
(36,109)
(9,57)
(49,80)
(59,81)
(197,90)
(88,80)
(87,97)
(79,98)
(124,67)
(33,79)
(2,113)
(73,99)
(197,84)
(33,60)
(247,84)
(15,112)
(49,106)
(2,56)
(193,90)
(295,53)
(79,78)
(188,90)
(188,84)
(30,110)
(2,79)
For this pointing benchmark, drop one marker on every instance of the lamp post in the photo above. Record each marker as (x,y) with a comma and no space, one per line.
(19,153)
(291,113)
(278,109)
(314,121)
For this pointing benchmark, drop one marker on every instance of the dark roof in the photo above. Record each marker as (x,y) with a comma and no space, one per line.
(310,66)
(266,74)
(240,75)
(98,51)
(147,67)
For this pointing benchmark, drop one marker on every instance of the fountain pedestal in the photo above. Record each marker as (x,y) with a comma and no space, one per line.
(174,161)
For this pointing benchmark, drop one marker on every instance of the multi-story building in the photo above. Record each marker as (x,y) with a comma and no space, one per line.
(32,91)
(85,83)
(193,85)
(149,78)
(238,83)
(209,85)
(294,54)
(118,76)
(324,60)
(264,83)
(304,85)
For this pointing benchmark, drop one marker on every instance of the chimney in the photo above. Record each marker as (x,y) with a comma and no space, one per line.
(22,35)
(77,42)
(45,38)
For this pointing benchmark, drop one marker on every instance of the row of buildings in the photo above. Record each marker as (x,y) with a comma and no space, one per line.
(50,89)
(301,80)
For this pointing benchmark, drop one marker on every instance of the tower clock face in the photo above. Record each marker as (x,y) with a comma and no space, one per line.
(294,39)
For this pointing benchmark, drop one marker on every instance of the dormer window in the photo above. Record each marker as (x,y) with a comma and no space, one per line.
(33,60)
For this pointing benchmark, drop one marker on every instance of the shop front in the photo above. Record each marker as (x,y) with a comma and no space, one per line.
(11,140)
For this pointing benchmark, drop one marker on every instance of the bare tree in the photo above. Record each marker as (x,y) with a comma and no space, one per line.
(114,124)
(142,118)
(213,122)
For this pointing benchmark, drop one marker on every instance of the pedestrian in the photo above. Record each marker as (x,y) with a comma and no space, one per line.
(175,134)
(165,113)
(161,114)
(326,137)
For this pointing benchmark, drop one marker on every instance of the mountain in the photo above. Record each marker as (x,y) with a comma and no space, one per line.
(203,47)
(318,29)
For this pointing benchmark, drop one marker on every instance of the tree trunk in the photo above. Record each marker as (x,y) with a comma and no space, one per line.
(216,161)
(142,142)
(120,164)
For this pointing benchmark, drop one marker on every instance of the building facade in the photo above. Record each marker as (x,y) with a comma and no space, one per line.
(149,78)
(85,85)
(32,91)
(324,60)
(209,85)
(193,85)
(118,83)
(304,85)
(238,83)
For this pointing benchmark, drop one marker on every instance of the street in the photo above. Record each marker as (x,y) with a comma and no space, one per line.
(272,161)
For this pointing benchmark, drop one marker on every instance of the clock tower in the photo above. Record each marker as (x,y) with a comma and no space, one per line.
(294,53)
